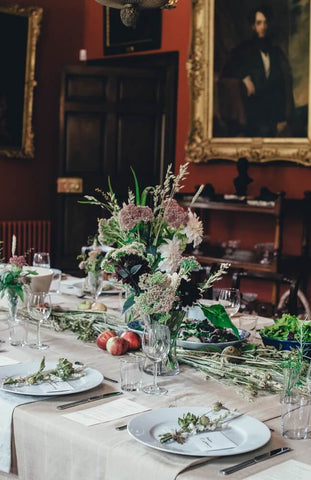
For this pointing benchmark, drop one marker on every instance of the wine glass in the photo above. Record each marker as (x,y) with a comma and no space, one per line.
(39,308)
(230,299)
(156,345)
(41,259)
(95,284)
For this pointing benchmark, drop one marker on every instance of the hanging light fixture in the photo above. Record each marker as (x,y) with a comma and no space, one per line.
(130,9)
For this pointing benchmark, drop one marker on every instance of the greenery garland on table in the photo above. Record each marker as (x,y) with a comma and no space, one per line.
(87,325)
(255,370)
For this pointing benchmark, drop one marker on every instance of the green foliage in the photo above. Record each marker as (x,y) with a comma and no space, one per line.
(218,316)
(13,279)
(289,327)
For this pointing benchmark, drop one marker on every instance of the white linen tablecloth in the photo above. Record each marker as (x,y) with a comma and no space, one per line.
(50,446)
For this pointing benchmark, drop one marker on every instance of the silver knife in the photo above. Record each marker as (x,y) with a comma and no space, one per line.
(87,400)
(252,461)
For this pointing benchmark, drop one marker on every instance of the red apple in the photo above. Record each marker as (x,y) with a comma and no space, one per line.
(104,337)
(116,346)
(133,339)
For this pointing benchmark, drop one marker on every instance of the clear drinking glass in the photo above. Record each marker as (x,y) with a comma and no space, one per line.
(39,308)
(95,283)
(230,299)
(155,345)
(41,259)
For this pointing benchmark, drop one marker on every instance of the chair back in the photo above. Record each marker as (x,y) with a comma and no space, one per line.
(277,280)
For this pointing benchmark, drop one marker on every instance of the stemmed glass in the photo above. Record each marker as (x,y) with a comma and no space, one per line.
(41,259)
(230,299)
(156,345)
(39,308)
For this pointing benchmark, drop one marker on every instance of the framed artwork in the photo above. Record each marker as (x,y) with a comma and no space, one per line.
(249,76)
(120,39)
(19,31)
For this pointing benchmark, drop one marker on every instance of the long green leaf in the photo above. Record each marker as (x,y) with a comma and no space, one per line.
(129,302)
(144,195)
(110,186)
(137,194)
(218,316)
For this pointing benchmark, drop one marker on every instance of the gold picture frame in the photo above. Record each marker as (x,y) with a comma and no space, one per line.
(20,29)
(202,146)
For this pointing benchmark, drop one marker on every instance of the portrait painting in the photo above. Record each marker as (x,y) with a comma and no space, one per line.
(250,81)
(19,30)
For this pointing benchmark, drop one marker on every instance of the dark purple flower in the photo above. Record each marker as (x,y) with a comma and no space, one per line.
(129,269)
(188,293)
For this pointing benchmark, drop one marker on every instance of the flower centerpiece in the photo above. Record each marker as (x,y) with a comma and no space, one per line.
(149,234)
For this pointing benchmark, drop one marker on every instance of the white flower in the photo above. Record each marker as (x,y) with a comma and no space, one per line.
(194,229)
(171,255)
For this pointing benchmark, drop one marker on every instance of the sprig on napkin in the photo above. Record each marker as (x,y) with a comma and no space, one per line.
(64,370)
(191,424)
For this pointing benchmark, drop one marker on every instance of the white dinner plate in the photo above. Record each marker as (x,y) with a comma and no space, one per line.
(246,432)
(244,334)
(105,290)
(91,379)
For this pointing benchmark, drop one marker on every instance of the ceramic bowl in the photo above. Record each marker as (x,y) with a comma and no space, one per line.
(42,281)
(285,344)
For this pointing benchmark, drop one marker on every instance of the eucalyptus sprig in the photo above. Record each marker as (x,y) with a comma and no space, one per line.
(64,370)
(190,424)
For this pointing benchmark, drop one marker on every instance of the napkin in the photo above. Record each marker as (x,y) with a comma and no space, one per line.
(143,462)
(107,412)
(8,402)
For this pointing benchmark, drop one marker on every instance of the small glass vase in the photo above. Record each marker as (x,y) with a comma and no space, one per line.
(17,332)
(169,366)
(95,283)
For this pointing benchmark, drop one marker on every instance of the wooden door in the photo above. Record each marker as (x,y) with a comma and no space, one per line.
(112,116)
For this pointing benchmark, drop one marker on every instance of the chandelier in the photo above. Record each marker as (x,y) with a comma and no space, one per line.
(130,9)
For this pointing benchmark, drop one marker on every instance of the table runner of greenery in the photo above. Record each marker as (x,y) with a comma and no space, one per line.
(253,370)
(256,370)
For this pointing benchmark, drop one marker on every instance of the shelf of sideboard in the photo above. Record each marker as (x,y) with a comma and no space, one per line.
(234,207)
(236,264)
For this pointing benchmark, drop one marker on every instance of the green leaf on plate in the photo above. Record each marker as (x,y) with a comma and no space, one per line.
(218,316)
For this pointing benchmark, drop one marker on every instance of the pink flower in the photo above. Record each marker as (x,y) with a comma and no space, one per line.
(174,214)
(18,261)
(130,215)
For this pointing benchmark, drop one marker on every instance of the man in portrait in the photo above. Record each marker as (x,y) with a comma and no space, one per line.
(255,84)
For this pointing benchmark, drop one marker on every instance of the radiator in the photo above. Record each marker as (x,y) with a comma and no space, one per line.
(31,235)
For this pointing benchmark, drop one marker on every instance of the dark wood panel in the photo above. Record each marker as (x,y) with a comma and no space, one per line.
(112,117)
(84,135)
(141,90)
(85,87)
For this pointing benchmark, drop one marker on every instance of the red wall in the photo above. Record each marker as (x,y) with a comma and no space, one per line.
(27,186)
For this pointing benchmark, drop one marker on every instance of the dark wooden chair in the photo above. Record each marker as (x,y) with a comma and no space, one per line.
(290,304)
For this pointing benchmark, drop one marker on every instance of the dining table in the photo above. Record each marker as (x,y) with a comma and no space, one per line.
(48,443)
